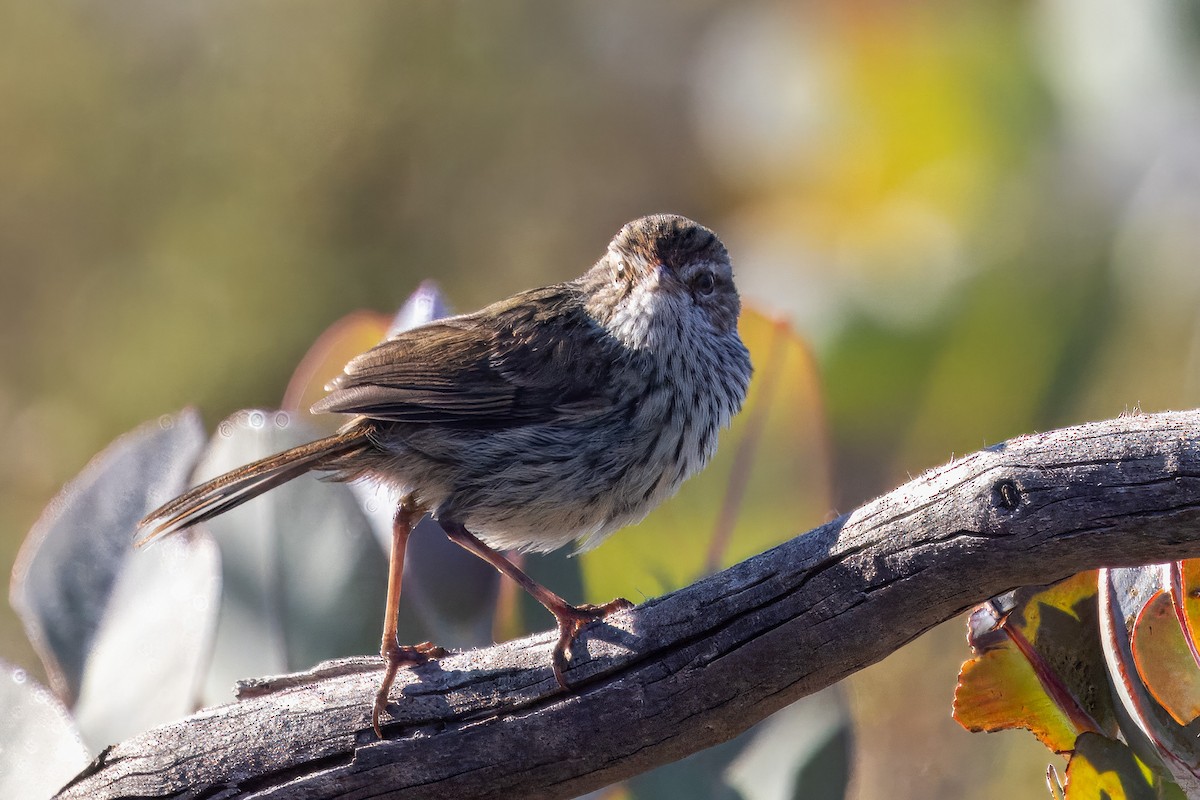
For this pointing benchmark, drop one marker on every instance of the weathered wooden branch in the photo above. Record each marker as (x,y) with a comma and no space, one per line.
(696,667)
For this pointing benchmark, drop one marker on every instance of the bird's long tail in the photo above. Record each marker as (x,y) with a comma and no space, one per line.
(234,488)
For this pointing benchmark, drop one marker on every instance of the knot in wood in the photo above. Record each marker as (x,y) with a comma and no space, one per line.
(1005,494)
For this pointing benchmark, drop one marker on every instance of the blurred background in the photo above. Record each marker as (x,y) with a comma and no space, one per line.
(984,218)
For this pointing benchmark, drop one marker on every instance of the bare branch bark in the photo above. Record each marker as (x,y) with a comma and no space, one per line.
(696,667)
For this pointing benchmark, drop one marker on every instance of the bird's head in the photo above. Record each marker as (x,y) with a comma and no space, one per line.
(663,276)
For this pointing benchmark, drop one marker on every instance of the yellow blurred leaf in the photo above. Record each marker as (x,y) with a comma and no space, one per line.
(769,481)
(1103,767)
(999,690)
(1038,667)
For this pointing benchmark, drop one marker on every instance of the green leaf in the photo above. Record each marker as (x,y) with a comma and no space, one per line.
(40,749)
(802,751)
(303,577)
(71,558)
(153,646)
(451,591)
(449,595)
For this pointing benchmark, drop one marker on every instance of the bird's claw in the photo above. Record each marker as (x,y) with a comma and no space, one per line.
(397,656)
(571,621)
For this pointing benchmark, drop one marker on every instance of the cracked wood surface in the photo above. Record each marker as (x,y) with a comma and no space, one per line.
(698,666)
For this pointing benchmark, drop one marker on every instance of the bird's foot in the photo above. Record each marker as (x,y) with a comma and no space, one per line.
(397,656)
(571,620)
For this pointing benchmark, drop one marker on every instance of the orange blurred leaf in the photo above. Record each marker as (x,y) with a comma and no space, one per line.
(1185,591)
(1163,660)
(354,333)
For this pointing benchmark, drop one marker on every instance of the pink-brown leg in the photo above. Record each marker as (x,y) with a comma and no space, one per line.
(396,656)
(571,619)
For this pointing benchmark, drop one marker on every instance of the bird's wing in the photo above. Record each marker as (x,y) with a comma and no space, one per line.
(523,360)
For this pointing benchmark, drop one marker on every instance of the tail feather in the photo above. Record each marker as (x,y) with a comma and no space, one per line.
(230,490)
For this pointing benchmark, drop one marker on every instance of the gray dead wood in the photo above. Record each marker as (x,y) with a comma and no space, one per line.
(696,667)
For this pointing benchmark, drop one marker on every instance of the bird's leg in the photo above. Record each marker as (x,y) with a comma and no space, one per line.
(571,619)
(396,656)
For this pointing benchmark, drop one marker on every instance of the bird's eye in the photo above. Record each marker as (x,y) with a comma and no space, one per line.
(703,283)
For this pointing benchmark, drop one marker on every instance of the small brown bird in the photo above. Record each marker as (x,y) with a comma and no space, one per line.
(560,414)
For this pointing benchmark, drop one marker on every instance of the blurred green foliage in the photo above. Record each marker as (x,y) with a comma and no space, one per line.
(984,216)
